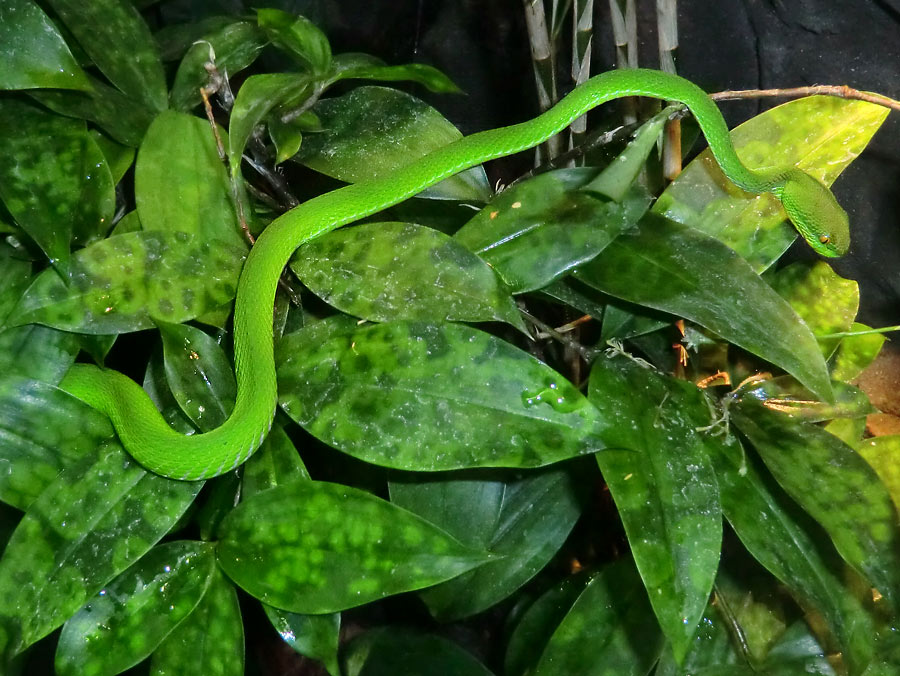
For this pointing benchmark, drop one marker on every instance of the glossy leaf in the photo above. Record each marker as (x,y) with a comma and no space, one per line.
(199,375)
(523,520)
(372,131)
(42,431)
(883,454)
(32,51)
(298,36)
(429,397)
(119,42)
(535,231)
(181,184)
(315,636)
(820,134)
(157,388)
(210,641)
(127,619)
(392,651)
(664,487)
(855,353)
(668,267)
(835,486)
(276,462)
(354,66)
(786,395)
(126,282)
(119,157)
(94,521)
(387,271)
(37,352)
(315,547)
(611,616)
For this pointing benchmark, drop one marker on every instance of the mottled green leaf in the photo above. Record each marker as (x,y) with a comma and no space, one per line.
(883,454)
(94,521)
(537,230)
(126,282)
(298,36)
(387,271)
(786,395)
(429,397)
(355,66)
(669,267)
(664,487)
(210,641)
(523,520)
(42,430)
(611,616)
(199,375)
(390,651)
(820,134)
(315,636)
(834,485)
(119,42)
(37,352)
(371,131)
(316,547)
(119,157)
(126,620)
(233,47)
(276,462)
(180,184)
(32,52)
(855,353)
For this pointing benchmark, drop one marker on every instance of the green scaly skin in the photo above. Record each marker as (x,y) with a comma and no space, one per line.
(148,438)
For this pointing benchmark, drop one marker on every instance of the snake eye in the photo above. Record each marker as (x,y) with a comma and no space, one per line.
(824,239)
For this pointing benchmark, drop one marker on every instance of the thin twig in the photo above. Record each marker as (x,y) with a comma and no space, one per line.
(841,91)
(585,353)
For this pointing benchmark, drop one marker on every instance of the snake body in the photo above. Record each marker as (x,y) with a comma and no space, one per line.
(145,434)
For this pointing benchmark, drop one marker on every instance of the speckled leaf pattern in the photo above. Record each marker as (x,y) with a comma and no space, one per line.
(42,430)
(315,636)
(126,620)
(835,486)
(611,616)
(523,520)
(210,641)
(664,487)
(89,525)
(430,397)
(778,536)
(387,271)
(537,230)
(126,282)
(37,352)
(371,131)
(180,184)
(15,276)
(199,375)
(826,302)
(54,181)
(315,547)
(670,267)
(820,134)
(392,651)
(119,42)
(855,353)
(883,454)
(32,51)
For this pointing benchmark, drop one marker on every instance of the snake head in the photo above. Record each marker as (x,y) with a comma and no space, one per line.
(816,214)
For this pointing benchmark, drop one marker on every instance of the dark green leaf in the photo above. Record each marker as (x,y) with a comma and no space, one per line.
(298,36)
(387,271)
(157,388)
(669,267)
(37,352)
(429,397)
(119,157)
(315,636)
(127,619)
(356,66)
(391,651)
(32,52)
(276,462)
(315,547)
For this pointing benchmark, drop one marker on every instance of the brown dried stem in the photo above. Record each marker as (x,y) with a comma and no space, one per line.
(841,91)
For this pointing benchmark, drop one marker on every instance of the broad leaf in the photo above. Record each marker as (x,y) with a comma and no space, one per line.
(298,36)
(390,651)
(315,636)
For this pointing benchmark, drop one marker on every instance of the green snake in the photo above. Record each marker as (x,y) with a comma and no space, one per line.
(145,434)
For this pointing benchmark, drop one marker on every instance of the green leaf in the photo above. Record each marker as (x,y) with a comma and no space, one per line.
(127,619)
(536,231)
(315,547)
(883,454)
(287,137)
(523,520)
(819,134)
(181,184)
(355,66)
(199,375)
(94,521)
(664,487)
(834,485)
(298,36)
(669,267)
(430,397)
(210,641)
(371,131)
(43,430)
(390,651)
(233,47)
(315,636)
(855,353)
(611,616)
(37,352)
(276,462)
(387,271)
(126,282)
(119,42)
(33,53)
